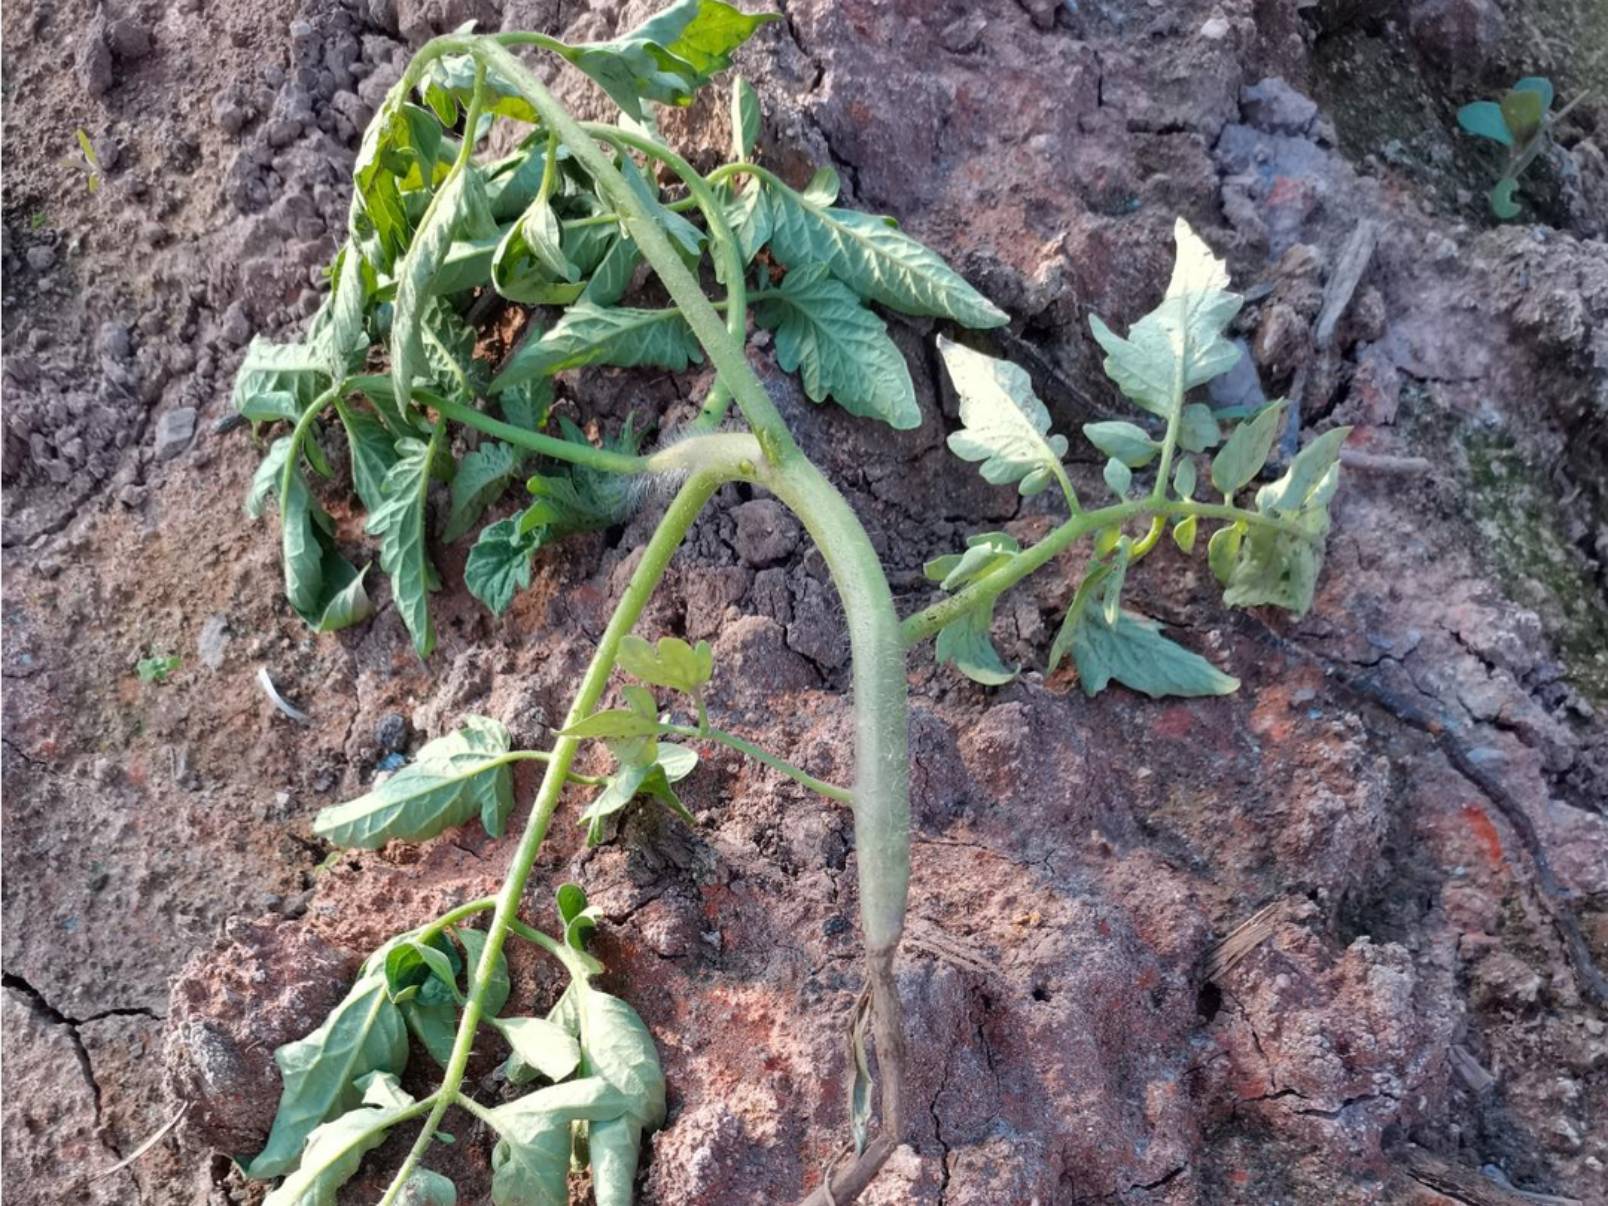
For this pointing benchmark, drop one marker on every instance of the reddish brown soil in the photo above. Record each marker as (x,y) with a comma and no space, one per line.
(167,916)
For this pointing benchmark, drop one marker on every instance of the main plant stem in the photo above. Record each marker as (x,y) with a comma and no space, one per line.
(771,459)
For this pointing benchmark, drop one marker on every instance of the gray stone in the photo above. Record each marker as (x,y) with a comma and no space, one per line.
(210,644)
(94,63)
(1272,105)
(391,733)
(229,113)
(237,324)
(174,431)
(766,533)
(129,39)
(113,341)
(41,257)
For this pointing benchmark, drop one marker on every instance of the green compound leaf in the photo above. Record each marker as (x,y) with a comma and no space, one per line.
(399,156)
(339,330)
(1484,119)
(1277,567)
(335,1149)
(279,380)
(671,663)
(872,256)
(363,1034)
(530,1164)
(1246,450)
(1180,343)
(482,476)
(966,643)
(841,348)
(1127,442)
(1133,652)
(668,57)
(452,779)
(1004,422)
(499,563)
(591,334)
(401,524)
(665,763)
(578,498)
(530,258)
(454,76)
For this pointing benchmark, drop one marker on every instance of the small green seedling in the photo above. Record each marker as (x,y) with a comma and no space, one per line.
(157,668)
(38,219)
(88,149)
(438,235)
(1522,121)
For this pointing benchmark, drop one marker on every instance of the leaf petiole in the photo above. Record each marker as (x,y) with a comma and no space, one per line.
(732,741)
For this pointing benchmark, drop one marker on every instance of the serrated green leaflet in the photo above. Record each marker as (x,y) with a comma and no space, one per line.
(1127,442)
(840,347)
(668,57)
(671,663)
(1246,450)
(1198,429)
(1180,343)
(499,563)
(482,475)
(459,205)
(1005,424)
(335,1149)
(400,523)
(452,779)
(984,552)
(872,256)
(1134,653)
(590,334)
(363,1034)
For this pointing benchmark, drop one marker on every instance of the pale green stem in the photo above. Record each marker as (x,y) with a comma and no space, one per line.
(534,441)
(831,791)
(655,558)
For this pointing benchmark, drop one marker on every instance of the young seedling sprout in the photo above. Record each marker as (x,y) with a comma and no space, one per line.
(1522,121)
(563,221)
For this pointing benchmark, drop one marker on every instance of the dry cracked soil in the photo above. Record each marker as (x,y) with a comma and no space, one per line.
(1407,799)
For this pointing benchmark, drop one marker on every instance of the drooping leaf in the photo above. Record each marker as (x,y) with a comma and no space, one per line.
(452,779)
(347,601)
(415,281)
(1133,652)
(1005,424)
(498,985)
(967,644)
(668,57)
(1180,343)
(1484,119)
(335,1149)
(338,329)
(373,452)
(1127,442)
(398,156)
(651,774)
(363,1034)
(686,238)
(540,1047)
(482,475)
(530,1164)
(872,256)
(400,522)
(842,348)
(745,118)
(272,371)
(1246,450)
(671,663)
(454,76)
(579,498)
(612,276)
(591,334)
(265,481)
(748,215)
(499,563)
